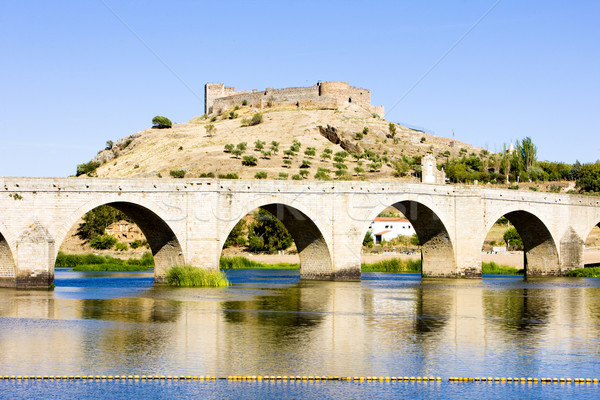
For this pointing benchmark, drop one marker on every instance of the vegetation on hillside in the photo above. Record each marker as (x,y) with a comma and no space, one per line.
(160,122)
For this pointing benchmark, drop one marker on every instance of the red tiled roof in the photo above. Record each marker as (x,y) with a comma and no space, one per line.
(382,233)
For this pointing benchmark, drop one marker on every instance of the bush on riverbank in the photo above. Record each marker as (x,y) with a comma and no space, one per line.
(393,265)
(492,268)
(81,262)
(590,272)
(238,262)
(188,276)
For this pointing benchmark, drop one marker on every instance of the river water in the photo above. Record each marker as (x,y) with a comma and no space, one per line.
(271,323)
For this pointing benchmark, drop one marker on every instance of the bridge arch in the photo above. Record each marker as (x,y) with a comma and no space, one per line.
(162,239)
(313,246)
(7,261)
(437,250)
(540,253)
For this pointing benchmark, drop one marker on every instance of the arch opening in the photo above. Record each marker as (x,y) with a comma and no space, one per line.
(591,250)
(129,233)
(427,238)
(527,238)
(311,249)
(7,264)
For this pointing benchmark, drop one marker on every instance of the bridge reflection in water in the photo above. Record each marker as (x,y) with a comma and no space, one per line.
(273,323)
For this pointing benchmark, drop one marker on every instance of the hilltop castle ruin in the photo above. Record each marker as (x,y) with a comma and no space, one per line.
(218,97)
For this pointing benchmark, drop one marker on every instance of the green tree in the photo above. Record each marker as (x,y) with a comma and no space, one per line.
(392,129)
(589,177)
(103,242)
(210,130)
(239,230)
(368,240)
(513,239)
(88,169)
(310,152)
(267,234)
(160,122)
(96,221)
(259,144)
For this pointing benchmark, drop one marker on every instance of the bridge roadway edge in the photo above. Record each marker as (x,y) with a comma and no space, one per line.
(33,212)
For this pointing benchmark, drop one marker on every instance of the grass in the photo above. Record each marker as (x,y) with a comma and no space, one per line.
(238,262)
(589,272)
(93,262)
(188,276)
(112,267)
(393,265)
(491,268)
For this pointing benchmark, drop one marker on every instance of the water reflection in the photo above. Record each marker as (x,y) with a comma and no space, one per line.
(272,323)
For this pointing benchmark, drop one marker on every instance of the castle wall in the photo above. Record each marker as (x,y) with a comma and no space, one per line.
(219,98)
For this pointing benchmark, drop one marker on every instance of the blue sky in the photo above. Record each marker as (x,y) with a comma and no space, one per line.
(75,74)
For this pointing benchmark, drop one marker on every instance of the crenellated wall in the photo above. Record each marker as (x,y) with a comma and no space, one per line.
(219,98)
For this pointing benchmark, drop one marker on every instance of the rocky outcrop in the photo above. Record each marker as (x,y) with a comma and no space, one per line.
(331,133)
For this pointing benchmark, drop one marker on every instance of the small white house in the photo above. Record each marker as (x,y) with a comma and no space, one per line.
(388,228)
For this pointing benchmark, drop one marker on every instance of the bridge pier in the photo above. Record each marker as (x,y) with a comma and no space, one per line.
(35,258)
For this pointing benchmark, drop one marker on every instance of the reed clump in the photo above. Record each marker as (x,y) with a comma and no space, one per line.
(393,265)
(188,276)
(589,272)
(239,262)
(492,268)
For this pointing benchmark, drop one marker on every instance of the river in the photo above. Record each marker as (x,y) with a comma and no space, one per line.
(271,323)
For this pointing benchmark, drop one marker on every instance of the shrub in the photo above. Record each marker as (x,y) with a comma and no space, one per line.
(233,114)
(256,119)
(177,173)
(392,129)
(137,243)
(368,240)
(259,144)
(322,174)
(395,265)
(265,154)
(365,130)
(310,152)
(249,161)
(267,233)
(375,115)
(512,238)
(514,187)
(213,119)
(304,173)
(359,136)
(305,164)
(160,122)
(260,175)
(210,129)
(274,147)
(237,152)
(242,146)
(109,145)
(244,102)
(229,147)
(188,276)
(206,175)
(230,175)
(120,246)
(88,169)
(288,163)
(296,177)
(282,176)
(554,189)
(103,242)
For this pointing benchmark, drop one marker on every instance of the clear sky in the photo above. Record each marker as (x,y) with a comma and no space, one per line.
(75,74)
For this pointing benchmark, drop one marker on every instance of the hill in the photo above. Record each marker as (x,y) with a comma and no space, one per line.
(191,147)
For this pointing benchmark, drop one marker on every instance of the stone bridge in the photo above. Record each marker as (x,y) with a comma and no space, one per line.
(187,221)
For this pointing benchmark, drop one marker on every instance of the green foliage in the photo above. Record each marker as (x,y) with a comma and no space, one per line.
(230,175)
(160,122)
(588,177)
(304,173)
(138,243)
(401,167)
(260,175)
(296,177)
(392,129)
(256,119)
(103,242)
(365,130)
(238,231)
(244,102)
(295,147)
(326,154)
(359,136)
(513,187)
(534,188)
(274,146)
(64,260)
(322,174)
(305,164)
(233,114)
(310,152)
(177,173)
(289,153)
(206,175)
(237,152)
(267,234)
(121,246)
(242,146)
(491,268)
(238,262)
(288,163)
(266,154)
(555,189)
(395,265)
(368,241)
(96,221)
(375,115)
(414,240)
(88,169)
(259,144)
(513,239)
(16,196)
(210,130)
(282,176)
(109,144)
(229,147)
(249,161)
(188,276)
(589,272)
(213,119)
(423,139)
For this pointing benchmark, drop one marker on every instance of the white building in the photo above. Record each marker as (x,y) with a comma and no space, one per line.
(388,228)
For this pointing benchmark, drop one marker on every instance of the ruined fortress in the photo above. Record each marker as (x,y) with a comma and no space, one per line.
(218,97)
